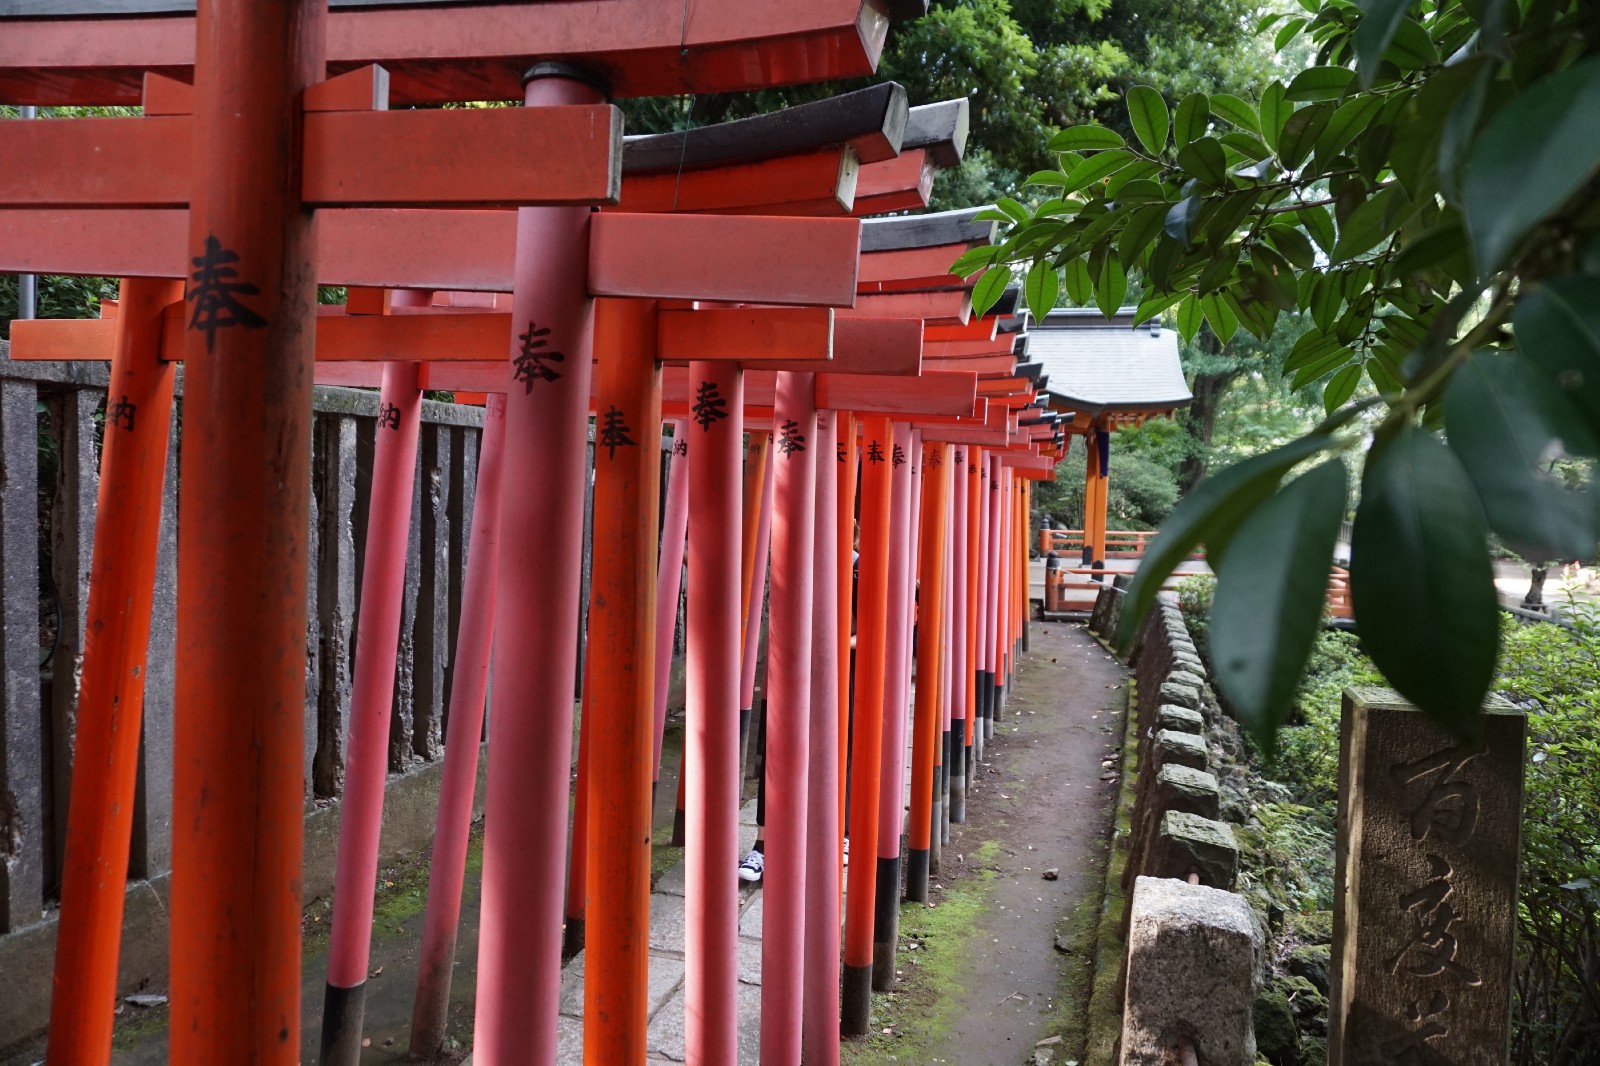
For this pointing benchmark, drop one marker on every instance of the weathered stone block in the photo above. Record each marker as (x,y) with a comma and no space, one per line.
(1193,965)
(1182,695)
(1184,749)
(1183,788)
(1311,962)
(1181,719)
(1425,899)
(1188,844)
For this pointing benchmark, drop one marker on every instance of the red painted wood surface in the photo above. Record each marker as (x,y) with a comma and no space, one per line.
(725,257)
(479,52)
(239,736)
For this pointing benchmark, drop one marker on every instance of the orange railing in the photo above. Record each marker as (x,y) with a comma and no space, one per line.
(1129,542)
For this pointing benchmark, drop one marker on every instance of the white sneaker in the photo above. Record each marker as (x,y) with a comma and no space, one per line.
(750,870)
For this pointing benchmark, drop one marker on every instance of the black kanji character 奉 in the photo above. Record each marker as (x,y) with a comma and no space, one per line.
(935,459)
(709,405)
(389,417)
(121,413)
(960,458)
(215,293)
(841,451)
(614,433)
(790,439)
(530,362)
(874,453)
(899,456)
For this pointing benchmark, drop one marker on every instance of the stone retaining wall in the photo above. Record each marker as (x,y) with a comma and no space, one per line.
(1193,959)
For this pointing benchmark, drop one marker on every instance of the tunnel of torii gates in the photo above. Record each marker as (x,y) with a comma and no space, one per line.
(475,261)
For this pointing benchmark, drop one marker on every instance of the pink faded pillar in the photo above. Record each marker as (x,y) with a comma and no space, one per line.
(788,751)
(469,689)
(896,704)
(669,576)
(541,558)
(993,550)
(394,471)
(821,998)
(711,790)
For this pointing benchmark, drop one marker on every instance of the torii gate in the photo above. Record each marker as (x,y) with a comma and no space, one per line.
(343,342)
(234,975)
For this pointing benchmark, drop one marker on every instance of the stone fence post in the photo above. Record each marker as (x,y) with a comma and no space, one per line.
(1425,911)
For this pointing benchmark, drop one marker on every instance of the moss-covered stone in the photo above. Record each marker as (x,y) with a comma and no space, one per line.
(1311,962)
(1314,927)
(1277,1035)
(1314,1051)
(1310,1006)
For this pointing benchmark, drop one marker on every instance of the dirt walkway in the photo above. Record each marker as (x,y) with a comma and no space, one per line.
(1000,959)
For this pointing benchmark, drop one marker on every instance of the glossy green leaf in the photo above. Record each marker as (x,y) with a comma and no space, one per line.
(1341,387)
(1111,287)
(1288,32)
(1311,346)
(1294,245)
(1097,168)
(1204,160)
(1318,224)
(1191,119)
(1208,515)
(1137,170)
(1411,48)
(1348,120)
(1229,212)
(1271,593)
(1144,226)
(1246,144)
(1373,222)
(989,289)
(1383,378)
(1189,318)
(1223,321)
(1046,177)
(1301,131)
(1085,139)
(1232,109)
(1432,248)
(1320,366)
(1017,212)
(1181,218)
(1420,578)
(1041,287)
(1326,300)
(1275,111)
(1142,190)
(1276,280)
(973,258)
(1540,149)
(1079,286)
(1379,20)
(1507,422)
(1153,304)
(1558,328)
(1319,83)
(1147,113)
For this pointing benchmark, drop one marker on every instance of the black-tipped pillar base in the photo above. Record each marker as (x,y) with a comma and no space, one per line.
(968,764)
(855,1009)
(958,774)
(342,1009)
(885,923)
(999,703)
(918,862)
(572,937)
(935,833)
(677,829)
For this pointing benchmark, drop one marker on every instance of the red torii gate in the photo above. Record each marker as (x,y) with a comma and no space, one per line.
(236,990)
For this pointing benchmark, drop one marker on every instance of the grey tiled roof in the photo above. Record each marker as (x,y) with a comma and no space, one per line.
(1095,364)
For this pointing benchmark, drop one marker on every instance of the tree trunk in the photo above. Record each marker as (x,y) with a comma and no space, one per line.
(1199,420)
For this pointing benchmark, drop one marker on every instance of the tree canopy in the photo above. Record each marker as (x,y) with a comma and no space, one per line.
(1424,192)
